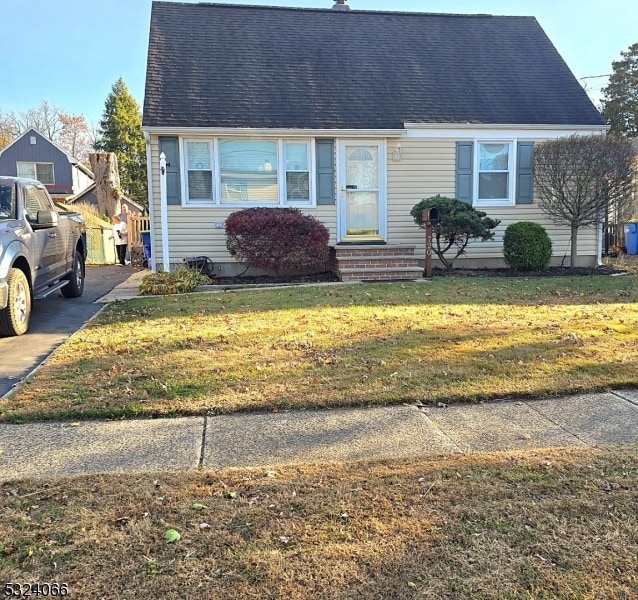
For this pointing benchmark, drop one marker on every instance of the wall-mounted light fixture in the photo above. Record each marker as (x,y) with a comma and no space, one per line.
(397,152)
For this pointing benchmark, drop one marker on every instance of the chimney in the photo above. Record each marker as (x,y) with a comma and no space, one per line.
(340,5)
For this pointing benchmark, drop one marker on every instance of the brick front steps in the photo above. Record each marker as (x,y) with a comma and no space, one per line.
(354,262)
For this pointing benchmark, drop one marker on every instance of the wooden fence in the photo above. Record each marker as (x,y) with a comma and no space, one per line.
(135,225)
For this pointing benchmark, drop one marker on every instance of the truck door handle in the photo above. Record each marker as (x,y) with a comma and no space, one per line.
(52,235)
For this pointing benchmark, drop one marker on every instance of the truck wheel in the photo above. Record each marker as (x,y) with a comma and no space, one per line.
(75,287)
(14,319)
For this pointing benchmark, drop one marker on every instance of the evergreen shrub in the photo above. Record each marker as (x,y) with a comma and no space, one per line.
(526,246)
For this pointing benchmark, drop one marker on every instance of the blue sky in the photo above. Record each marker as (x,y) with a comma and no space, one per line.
(70,52)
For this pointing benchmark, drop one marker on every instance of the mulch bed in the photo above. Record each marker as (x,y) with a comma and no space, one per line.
(327,277)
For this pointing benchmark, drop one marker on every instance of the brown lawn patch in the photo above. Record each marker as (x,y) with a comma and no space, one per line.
(539,525)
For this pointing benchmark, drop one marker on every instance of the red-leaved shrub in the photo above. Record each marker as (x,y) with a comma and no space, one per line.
(277,239)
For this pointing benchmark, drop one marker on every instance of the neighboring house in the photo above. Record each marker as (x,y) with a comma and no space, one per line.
(33,155)
(88,197)
(353,117)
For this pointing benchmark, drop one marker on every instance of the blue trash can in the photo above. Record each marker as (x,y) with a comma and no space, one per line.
(631,238)
(146,244)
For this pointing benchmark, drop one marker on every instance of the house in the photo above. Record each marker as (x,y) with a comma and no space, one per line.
(33,155)
(352,116)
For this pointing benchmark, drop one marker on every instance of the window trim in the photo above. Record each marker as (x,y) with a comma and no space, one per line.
(197,202)
(35,165)
(511,171)
(216,201)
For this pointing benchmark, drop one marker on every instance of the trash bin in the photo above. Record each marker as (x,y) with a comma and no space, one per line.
(146,244)
(631,238)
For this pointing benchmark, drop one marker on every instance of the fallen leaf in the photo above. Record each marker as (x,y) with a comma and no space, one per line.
(172,535)
(198,506)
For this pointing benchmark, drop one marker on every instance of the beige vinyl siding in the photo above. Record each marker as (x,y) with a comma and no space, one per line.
(193,232)
(427,168)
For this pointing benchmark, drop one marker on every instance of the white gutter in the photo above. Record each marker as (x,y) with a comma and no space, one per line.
(508,126)
(164,214)
(599,244)
(280,132)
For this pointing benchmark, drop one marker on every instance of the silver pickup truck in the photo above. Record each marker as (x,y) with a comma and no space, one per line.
(42,250)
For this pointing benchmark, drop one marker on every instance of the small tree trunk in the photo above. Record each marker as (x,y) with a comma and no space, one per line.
(107,182)
(574,253)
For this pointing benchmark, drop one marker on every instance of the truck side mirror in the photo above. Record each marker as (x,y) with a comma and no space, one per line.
(46,219)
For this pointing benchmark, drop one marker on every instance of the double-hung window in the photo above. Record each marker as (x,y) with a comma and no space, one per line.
(249,172)
(43,172)
(297,159)
(495,173)
(199,171)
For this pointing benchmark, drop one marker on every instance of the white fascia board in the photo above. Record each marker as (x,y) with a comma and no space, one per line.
(261,132)
(473,130)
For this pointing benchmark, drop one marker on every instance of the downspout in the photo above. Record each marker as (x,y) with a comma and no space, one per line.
(599,244)
(164,214)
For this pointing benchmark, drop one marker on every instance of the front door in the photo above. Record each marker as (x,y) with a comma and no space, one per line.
(361,185)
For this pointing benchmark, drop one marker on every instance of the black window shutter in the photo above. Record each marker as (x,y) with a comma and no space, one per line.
(464,171)
(170,147)
(525,173)
(324,152)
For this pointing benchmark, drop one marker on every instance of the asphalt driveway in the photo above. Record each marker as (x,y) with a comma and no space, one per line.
(53,320)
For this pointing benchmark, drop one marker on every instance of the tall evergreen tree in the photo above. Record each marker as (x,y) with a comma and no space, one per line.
(620,103)
(121,133)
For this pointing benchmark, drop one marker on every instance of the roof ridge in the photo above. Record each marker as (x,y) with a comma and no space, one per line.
(331,11)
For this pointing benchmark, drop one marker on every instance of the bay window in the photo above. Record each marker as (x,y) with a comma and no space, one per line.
(251,172)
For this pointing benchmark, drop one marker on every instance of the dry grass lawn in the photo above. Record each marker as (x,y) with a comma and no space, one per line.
(450,339)
(541,525)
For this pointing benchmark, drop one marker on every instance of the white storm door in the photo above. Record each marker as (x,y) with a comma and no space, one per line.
(362,191)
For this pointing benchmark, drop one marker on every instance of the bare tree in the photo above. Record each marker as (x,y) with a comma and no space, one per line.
(107,182)
(75,137)
(7,130)
(578,178)
(45,118)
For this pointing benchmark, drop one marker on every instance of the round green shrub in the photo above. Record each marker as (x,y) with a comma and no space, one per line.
(526,246)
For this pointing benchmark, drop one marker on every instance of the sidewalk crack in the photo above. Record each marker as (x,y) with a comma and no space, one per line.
(200,462)
(559,425)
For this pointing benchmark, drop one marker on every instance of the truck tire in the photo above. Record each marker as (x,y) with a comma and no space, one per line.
(75,287)
(14,319)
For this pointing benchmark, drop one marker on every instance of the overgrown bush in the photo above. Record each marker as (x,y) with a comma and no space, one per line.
(181,281)
(277,239)
(526,246)
(459,223)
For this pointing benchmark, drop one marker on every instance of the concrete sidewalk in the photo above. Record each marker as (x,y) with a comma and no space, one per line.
(323,436)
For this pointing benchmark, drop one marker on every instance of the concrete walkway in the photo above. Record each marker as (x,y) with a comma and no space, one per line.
(265,440)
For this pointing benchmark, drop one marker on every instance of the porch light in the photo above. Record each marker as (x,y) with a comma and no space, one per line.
(397,152)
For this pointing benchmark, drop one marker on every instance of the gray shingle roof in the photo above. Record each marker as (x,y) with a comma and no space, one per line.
(220,65)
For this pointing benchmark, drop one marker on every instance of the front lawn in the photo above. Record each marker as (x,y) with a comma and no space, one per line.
(450,339)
